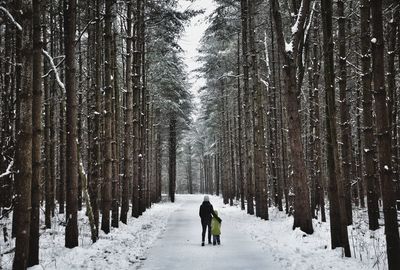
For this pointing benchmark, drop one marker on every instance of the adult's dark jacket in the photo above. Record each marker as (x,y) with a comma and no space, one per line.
(206,212)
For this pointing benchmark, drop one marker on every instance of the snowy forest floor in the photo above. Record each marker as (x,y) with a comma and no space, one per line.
(168,236)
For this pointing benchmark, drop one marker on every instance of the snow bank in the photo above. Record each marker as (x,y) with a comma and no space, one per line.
(122,248)
(295,250)
(126,246)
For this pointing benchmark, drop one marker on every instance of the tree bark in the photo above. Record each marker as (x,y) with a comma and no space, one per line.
(36,133)
(172,157)
(260,170)
(384,138)
(302,215)
(189,169)
(136,112)
(339,235)
(108,115)
(128,173)
(369,141)
(7,114)
(392,93)
(71,231)
(116,136)
(246,101)
(23,150)
(344,111)
(239,135)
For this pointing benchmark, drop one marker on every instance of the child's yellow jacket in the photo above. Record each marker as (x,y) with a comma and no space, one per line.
(215,225)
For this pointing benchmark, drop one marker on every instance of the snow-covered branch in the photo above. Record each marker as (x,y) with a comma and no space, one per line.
(8,171)
(265,83)
(53,66)
(307,30)
(266,54)
(228,75)
(11,18)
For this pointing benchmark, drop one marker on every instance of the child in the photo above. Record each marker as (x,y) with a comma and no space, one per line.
(216,228)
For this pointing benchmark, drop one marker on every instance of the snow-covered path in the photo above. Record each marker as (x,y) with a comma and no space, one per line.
(179,246)
(168,236)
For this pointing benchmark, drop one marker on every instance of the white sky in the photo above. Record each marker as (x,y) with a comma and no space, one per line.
(190,41)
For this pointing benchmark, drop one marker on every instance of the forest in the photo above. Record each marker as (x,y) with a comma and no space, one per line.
(298,114)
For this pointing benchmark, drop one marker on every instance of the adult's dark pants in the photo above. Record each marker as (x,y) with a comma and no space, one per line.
(205,225)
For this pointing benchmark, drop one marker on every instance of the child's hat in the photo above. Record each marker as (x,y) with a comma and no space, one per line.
(206,199)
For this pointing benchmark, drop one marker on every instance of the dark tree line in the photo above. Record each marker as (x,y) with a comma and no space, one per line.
(92,92)
(308,93)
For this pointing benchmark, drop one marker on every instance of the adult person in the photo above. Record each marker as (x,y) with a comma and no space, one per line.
(206,211)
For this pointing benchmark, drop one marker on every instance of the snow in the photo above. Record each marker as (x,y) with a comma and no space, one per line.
(168,236)
(266,54)
(289,46)
(11,18)
(180,247)
(8,170)
(294,249)
(122,248)
(280,246)
(295,27)
(53,66)
(265,83)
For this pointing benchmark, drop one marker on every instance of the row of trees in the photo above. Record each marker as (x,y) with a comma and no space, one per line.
(92,93)
(301,101)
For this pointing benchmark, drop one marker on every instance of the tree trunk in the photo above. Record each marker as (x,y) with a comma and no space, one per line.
(246,101)
(7,116)
(62,135)
(392,93)
(116,134)
(302,215)
(339,235)
(136,112)
(233,178)
(36,133)
(71,231)
(189,168)
(23,150)
(89,210)
(277,165)
(108,89)
(128,174)
(239,132)
(172,157)
(98,156)
(61,167)
(344,111)
(260,171)
(315,127)
(369,141)
(144,116)
(158,150)
(80,109)
(384,138)
(217,169)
